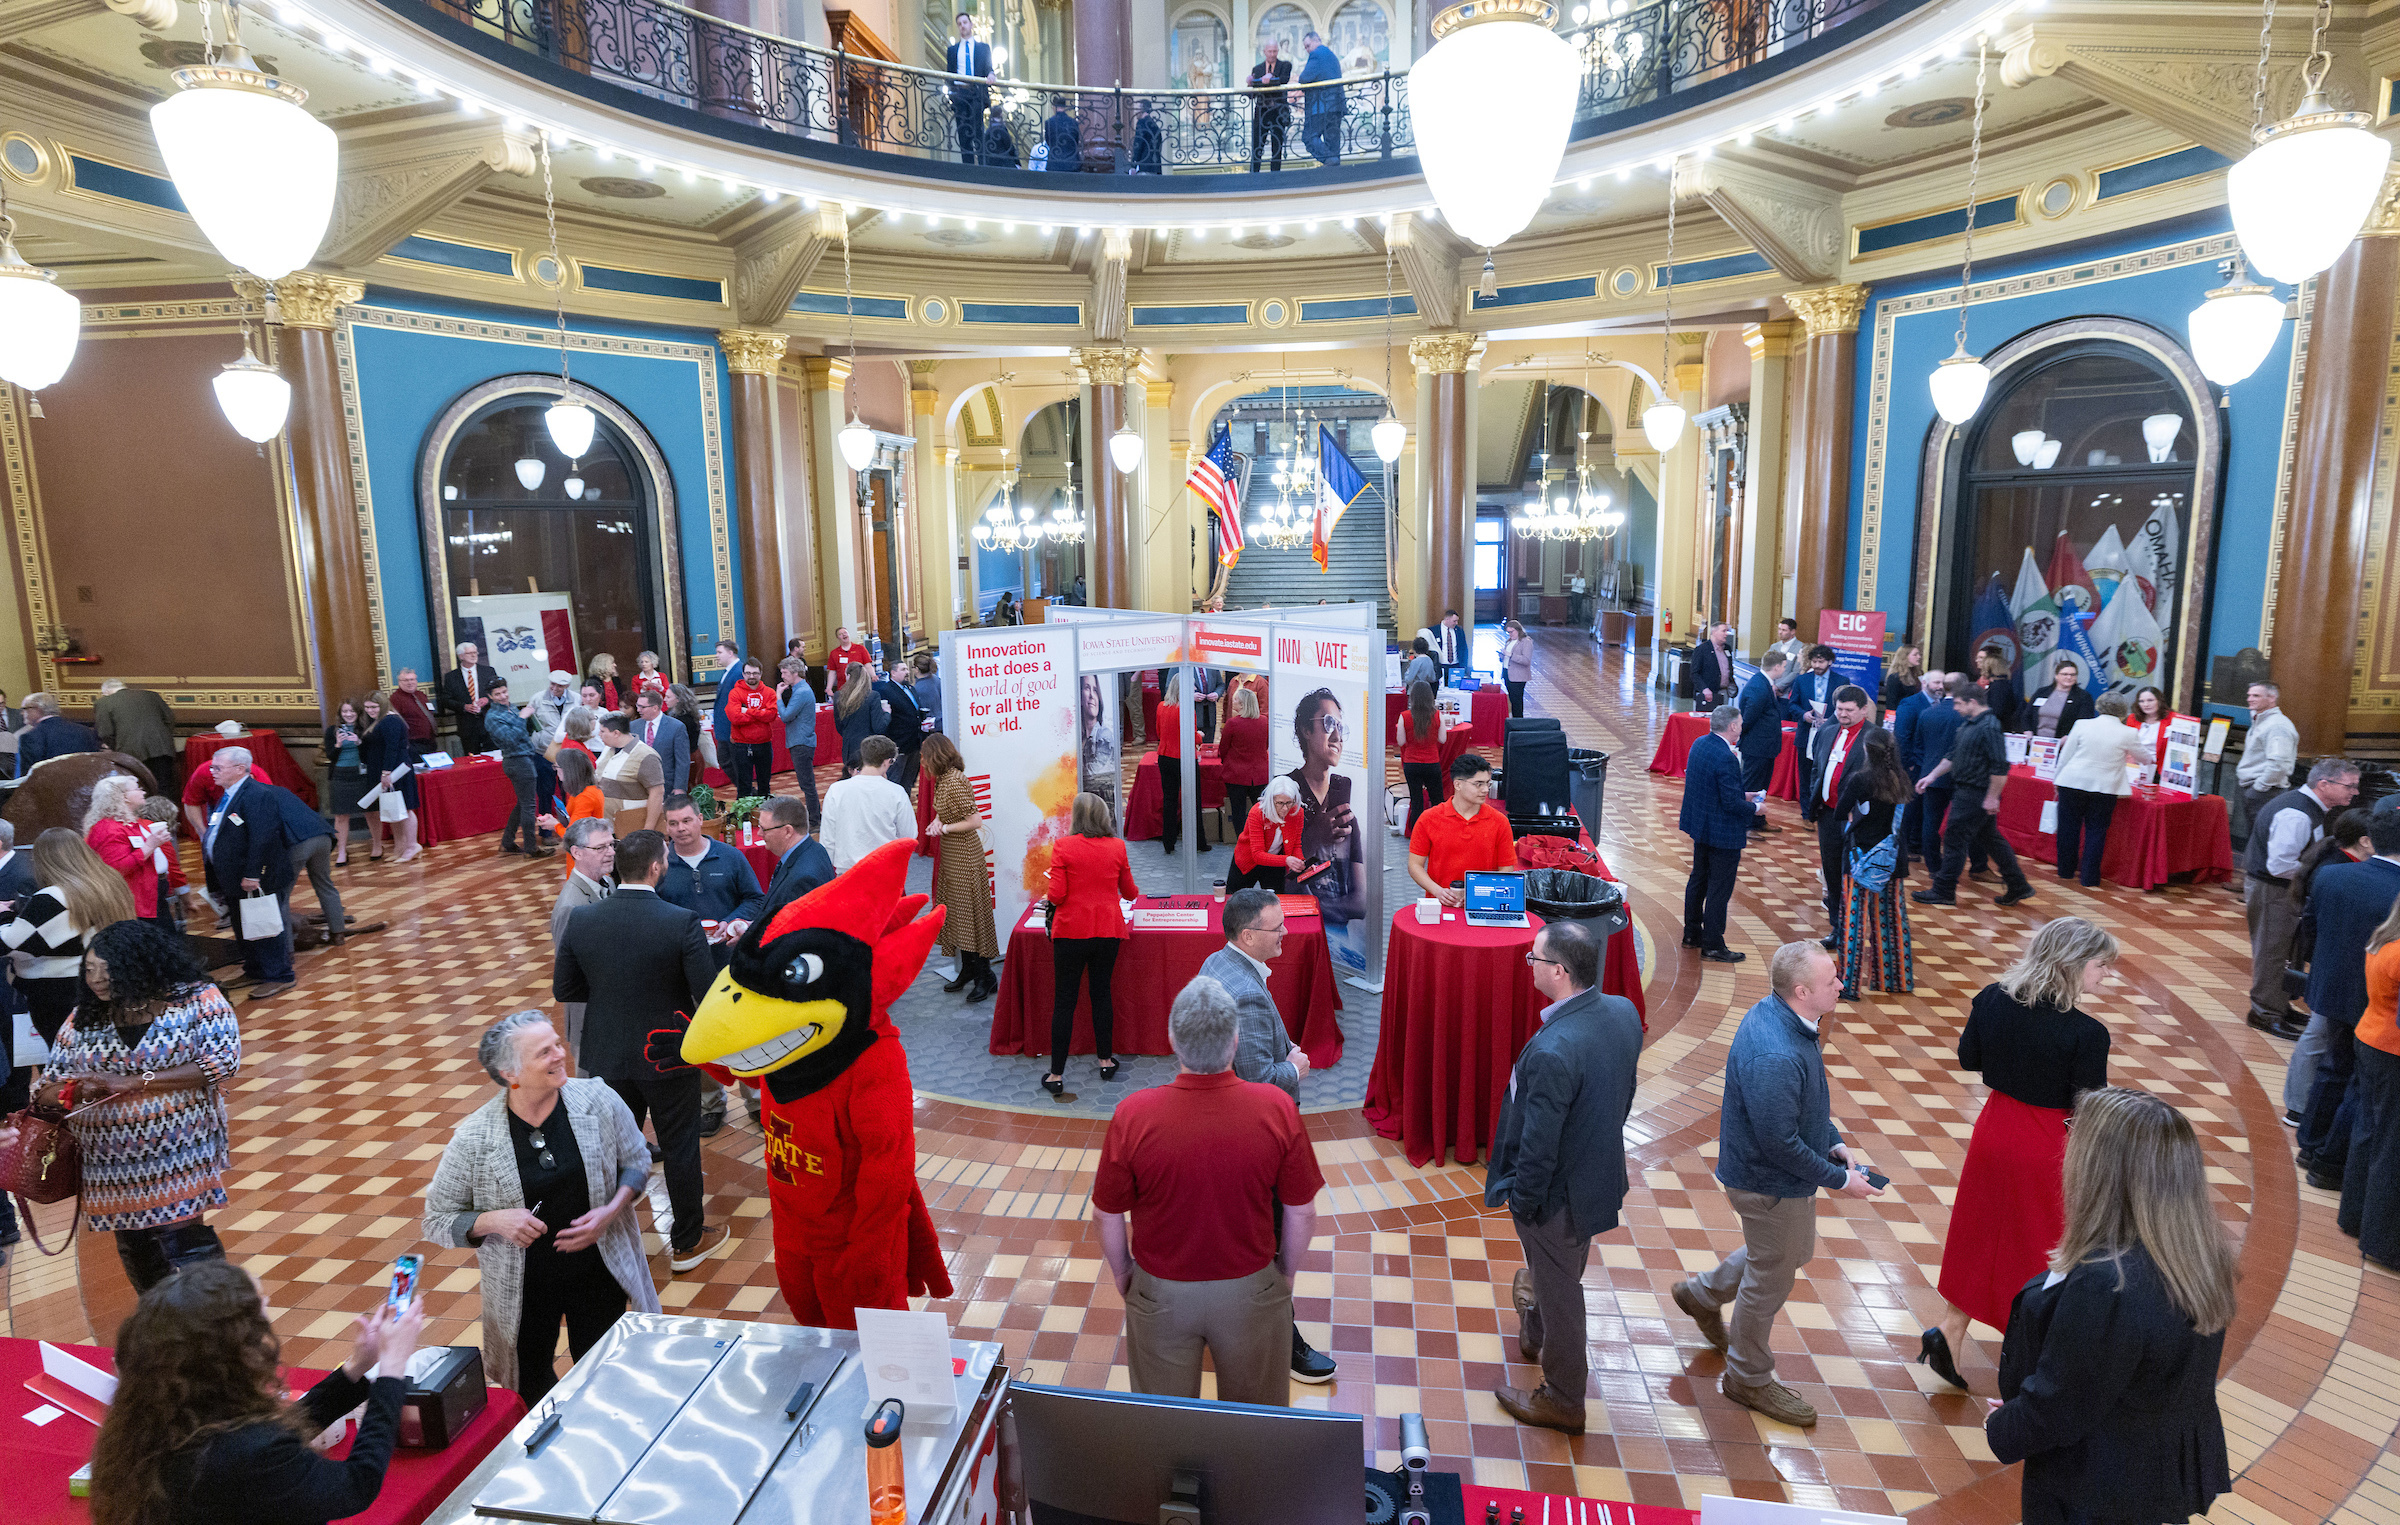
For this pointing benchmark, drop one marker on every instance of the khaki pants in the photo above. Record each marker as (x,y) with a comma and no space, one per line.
(2273,920)
(1779,1234)
(1557,1258)
(1245,1323)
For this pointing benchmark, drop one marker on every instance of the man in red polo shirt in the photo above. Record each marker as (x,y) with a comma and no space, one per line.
(1461,835)
(1210,1165)
(848,652)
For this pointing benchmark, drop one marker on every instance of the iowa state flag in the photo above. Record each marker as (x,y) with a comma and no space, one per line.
(1338,486)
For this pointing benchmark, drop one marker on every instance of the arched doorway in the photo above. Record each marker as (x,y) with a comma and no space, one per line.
(1023,541)
(506,514)
(1551,574)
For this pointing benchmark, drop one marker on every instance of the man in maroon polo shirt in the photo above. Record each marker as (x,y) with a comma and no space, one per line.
(1206,1163)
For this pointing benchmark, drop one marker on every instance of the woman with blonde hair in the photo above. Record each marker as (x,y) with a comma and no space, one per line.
(2037,1051)
(46,938)
(1089,881)
(141,850)
(2109,1371)
(603,676)
(962,881)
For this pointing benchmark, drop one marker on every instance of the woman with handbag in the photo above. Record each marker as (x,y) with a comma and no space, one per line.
(1875,946)
(2037,1052)
(141,1065)
(47,936)
(2109,1369)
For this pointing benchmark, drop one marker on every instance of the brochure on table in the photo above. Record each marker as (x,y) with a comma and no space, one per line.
(2179,770)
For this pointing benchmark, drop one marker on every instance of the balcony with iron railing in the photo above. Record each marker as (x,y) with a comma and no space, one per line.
(682,68)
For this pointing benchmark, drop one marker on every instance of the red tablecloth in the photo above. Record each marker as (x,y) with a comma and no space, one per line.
(1487,716)
(37,1459)
(266,751)
(465,799)
(1458,1002)
(1151,969)
(1145,807)
(2152,837)
(761,860)
(829,751)
(1675,747)
(1150,703)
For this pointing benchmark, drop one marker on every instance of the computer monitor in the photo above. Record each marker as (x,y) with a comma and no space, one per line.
(1495,894)
(1100,1458)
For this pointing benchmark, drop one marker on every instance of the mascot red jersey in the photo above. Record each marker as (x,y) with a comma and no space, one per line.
(802,1011)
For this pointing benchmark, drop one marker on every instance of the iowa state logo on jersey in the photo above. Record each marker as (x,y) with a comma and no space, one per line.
(786,1159)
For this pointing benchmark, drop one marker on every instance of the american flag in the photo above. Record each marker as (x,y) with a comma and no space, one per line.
(1213,476)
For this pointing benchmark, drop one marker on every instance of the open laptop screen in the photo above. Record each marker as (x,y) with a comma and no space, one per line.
(1495,894)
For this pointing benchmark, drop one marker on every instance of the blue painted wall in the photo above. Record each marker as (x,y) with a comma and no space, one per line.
(2163,298)
(998,572)
(405,381)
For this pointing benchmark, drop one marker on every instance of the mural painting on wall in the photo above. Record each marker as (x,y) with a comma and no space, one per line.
(1282,25)
(1360,35)
(1197,53)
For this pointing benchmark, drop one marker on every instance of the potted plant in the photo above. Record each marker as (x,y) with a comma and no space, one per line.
(740,813)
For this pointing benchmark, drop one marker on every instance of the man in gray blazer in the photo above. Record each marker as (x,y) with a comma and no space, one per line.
(592,848)
(662,733)
(1263,1050)
(1558,1163)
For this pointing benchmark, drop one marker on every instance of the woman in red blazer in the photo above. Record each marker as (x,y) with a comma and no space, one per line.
(1242,754)
(1270,841)
(141,850)
(1088,878)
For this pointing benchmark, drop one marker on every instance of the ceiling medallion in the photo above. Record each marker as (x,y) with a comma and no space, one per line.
(1941,113)
(619,188)
(956,238)
(1264,240)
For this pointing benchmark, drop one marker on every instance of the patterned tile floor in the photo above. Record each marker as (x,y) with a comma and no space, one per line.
(351,1086)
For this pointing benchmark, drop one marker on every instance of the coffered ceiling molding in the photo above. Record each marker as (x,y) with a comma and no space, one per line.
(1796,225)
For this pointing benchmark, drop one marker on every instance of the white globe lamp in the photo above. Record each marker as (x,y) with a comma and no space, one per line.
(2234,326)
(2027,443)
(1958,386)
(1493,101)
(39,323)
(256,400)
(530,471)
(1125,448)
(571,424)
(255,170)
(857,442)
(2305,191)
(1389,435)
(1662,423)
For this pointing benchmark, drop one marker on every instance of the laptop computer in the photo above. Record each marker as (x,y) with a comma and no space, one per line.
(1495,900)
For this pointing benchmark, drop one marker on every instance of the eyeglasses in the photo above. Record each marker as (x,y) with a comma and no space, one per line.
(549,1161)
(1331,725)
(1553,963)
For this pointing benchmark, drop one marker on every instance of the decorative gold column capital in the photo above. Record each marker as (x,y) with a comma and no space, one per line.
(2384,220)
(1828,309)
(1109,365)
(1769,341)
(925,404)
(752,351)
(1158,394)
(1442,354)
(825,373)
(303,299)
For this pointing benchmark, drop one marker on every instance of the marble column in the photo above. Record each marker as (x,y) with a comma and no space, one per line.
(332,542)
(1819,458)
(1108,534)
(2317,579)
(1449,474)
(1681,566)
(838,597)
(1102,28)
(1164,541)
(754,356)
(1759,602)
(936,530)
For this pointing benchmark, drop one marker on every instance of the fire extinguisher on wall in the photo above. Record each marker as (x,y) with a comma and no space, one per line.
(1670,628)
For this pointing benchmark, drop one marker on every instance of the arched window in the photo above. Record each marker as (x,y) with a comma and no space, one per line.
(1282,25)
(1198,57)
(1360,35)
(509,515)
(2077,488)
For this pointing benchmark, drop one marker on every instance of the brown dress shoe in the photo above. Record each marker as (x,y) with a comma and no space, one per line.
(1520,1293)
(1710,1320)
(1542,1407)
(1774,1400)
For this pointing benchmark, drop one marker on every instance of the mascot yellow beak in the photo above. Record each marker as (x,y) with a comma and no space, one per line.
(751,1033)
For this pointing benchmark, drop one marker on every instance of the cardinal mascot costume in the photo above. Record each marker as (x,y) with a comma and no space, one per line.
(803,1012)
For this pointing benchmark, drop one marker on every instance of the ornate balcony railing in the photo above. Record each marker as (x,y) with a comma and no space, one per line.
(1639,56)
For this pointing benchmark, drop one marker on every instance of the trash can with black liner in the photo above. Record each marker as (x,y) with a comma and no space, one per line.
(1561,894)
(1587,777)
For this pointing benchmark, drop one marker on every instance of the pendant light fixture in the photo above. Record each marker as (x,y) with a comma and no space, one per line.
(571,422)
(1662,421)
(255,398)
(2235,325)
(1389,433)
(1493,102)
(254,169)
(1959,382)
(39,323)
(856,439)
(531,470)
(2303,193)
(1125,448)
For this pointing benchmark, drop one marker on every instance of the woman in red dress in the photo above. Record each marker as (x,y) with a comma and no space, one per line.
(2037,1052)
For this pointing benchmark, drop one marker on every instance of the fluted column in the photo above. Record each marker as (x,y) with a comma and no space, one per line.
(2315,634)
(1108,537)
(1759,600)
(1450,510)
(754,356)
(1820,449)
(333,556)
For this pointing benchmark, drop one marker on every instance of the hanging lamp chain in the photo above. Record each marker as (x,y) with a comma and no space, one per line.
(1387,317)
(208,36)
(2320,58)
(1966,266)
(2258,88)
(1666,287)
(849,303)
(557,263)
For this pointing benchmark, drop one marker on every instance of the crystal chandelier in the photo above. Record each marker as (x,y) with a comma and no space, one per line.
(2302,194)
(2235,325)
(856,439)
(1494,100)
(570,422)
(39,322)
(255,170)
(1959,382)
(1282,527)
(1066,525)
(1662,421)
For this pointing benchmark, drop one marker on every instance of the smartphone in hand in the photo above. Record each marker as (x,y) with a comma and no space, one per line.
(405,1271)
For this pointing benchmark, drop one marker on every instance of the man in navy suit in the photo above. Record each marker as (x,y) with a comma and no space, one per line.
(801,862)
(1716,816)
(50,734)
(1829,750)
(2346,902)
(1912,758)
(1321,115)
(1809,700)
(1762,730)
(664,734)
(729,672)
(971,61)
(248,851)
(1935,729)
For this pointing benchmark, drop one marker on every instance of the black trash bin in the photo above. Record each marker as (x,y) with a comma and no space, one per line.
(1587,777)
(1561,894)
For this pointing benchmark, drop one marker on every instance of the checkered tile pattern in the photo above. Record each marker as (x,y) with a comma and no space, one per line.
(352,1084)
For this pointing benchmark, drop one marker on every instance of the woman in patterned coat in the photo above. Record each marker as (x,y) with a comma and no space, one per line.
(962,880)
(148,1054)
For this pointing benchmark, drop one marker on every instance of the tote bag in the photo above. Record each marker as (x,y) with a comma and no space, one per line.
(392,805)
(261,918)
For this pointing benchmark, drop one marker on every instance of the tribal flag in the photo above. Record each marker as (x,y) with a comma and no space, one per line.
(2108,564)
(1338,486)
(2128,642)
(2037,626)
(2153,556)
(2070,584)
(1990,617)
(2075,640)
(1213,480)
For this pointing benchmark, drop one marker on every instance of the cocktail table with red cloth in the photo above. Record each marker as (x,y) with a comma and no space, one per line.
(266,751)
(1145,807)
(2152,837)
(1683,730)
(466,799)
(829,751)
(1153,966)
(37,1459)
(1487,716)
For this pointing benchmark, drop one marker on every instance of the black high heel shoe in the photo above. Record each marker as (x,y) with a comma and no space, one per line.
(1108,1069)
(1934,1353)
(1056,1085)
(958,981)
